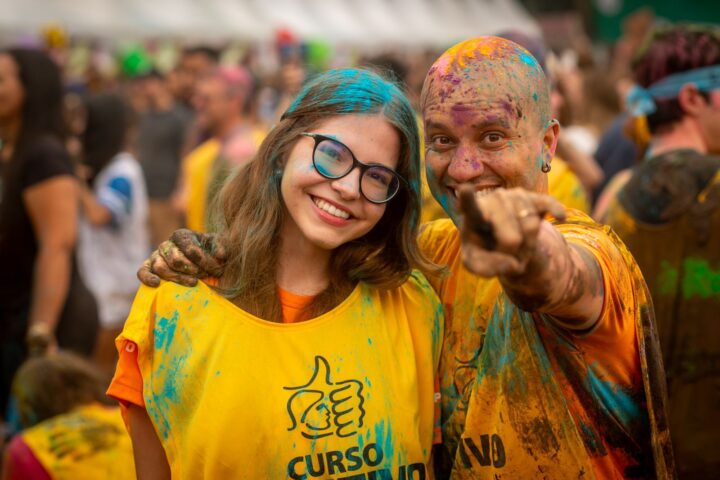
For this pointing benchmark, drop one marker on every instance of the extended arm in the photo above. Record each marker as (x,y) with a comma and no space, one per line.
(538,269)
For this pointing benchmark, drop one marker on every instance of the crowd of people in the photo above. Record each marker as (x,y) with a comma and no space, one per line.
(496,261)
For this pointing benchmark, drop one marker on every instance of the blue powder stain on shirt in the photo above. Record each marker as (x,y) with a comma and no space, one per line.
(165,331)
(384,440)
(369,341)
(619,403)
(217,373)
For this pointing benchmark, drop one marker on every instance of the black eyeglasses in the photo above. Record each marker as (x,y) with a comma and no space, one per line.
(333,160)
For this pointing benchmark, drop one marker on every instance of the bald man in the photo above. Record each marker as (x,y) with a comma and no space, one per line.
(549,366)
(548,322)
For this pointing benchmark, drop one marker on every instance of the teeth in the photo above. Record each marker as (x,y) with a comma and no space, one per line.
(478,193)
(335,212)
(484,192)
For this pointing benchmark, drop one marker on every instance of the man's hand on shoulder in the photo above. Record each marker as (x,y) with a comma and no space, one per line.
(185,258)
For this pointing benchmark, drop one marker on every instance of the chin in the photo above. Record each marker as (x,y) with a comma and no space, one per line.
(325,243)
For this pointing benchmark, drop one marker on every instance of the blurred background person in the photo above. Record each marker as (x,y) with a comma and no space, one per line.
(668,214)
(71,429)
(113,225)
(291,78)
(161,137)
(42,298)
(195,62)
(222,103)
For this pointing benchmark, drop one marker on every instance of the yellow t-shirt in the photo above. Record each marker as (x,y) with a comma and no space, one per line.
(522,398)
(86,444)
(347,393)
(196,171)
(565,186)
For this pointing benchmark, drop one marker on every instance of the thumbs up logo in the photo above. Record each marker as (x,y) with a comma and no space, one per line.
(321,407)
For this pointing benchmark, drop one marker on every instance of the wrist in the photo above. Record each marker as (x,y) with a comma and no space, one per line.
(39,337)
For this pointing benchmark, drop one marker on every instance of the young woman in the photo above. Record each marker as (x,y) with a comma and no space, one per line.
(42,300)
(317,351)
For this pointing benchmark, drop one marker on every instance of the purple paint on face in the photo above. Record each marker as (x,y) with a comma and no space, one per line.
(462,114)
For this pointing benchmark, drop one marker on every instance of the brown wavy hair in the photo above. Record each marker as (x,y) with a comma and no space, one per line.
(250,210)
(52,385)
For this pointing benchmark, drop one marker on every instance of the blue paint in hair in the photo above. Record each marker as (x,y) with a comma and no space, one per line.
(357,91)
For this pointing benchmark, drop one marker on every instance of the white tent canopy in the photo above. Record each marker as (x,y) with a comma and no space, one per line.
(371,23)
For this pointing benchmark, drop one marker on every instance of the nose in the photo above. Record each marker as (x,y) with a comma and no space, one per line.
(348,186)
(464,166)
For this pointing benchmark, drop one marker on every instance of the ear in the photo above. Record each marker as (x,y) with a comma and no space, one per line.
(550,139)
(690,100)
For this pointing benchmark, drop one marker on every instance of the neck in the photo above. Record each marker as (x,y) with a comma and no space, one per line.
(303,268)
(683,135)
(226,129)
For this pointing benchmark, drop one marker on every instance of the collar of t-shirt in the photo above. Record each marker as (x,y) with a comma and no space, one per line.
(293,305)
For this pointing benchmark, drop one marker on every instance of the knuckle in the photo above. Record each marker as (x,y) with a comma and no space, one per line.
(176,263)
(512,241)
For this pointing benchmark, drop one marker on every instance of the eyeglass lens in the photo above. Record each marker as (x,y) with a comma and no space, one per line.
(334,160)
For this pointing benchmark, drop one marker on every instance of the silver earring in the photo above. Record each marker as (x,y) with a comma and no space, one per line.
(546,167)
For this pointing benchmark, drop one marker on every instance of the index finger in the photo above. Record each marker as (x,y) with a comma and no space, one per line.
(474,220)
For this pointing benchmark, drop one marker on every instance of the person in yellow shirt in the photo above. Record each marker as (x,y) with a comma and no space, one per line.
(551,365)
(315,353)
(71,429)
(222,100)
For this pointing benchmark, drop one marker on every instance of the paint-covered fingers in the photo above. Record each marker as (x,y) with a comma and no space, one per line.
(174,260)
(504,222)
(205,253)
(160,267)
(146,275)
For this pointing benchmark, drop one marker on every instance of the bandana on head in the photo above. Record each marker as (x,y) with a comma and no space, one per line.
(641,101)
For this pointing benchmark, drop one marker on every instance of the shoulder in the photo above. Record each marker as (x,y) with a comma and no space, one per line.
(438,239)
(418,288)
(608,249)
(169,300)
(45,159)
(421,304)
(123,165)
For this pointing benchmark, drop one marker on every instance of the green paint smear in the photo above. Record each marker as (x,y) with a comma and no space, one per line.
(668,279)
(699,280)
